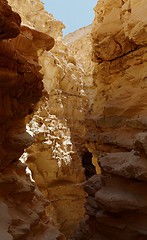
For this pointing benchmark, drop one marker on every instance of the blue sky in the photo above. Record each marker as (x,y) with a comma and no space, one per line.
(74,14)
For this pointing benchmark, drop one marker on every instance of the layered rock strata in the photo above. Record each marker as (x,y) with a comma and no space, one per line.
(116,204)
(58,124)
(22,205)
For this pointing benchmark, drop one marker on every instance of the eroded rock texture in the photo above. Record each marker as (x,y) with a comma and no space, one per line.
(58,124)
(22,205)
(89,112)
(80,46)
(83,54)
(116,204)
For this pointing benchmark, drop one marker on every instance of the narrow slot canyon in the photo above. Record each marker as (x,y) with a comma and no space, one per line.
(73,123)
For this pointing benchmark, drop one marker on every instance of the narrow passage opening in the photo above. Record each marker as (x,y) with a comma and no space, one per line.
(88,165)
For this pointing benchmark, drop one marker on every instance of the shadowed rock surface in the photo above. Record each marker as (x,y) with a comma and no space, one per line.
(22,205)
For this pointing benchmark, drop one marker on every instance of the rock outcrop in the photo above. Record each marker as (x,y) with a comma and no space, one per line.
(58,124)
(116,204)
(22,205)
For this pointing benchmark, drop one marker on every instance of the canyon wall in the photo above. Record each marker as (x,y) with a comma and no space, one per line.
(91,112)
(22,205)
(116,204)
(80,46)
(58,124)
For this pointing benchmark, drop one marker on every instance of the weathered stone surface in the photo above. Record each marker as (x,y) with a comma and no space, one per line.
(9,21)
(119,110)
(56,168)
(125,164)
(58,124)
(30,220)
(36,17)
(22,205)
(21,87)
(109,123)
(80,46)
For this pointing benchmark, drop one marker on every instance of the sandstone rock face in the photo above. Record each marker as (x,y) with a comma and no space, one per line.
(16,98)
(56,168)
(80,46)
(88,112)
(116,203)
(81,51)
(9,21)
(58,124)
(36,17)
(22,205)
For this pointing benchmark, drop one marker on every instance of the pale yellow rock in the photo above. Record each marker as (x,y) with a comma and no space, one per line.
(83,55)
(56,168)
(34,15)
(126,39)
